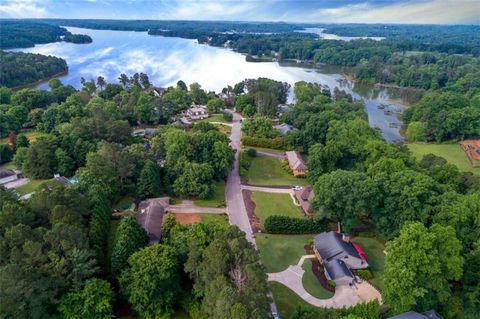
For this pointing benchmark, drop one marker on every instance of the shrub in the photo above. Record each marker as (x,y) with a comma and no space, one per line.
(365,274)
(292,225)
(227,116)
(252,152)
(332,284)
(275,143)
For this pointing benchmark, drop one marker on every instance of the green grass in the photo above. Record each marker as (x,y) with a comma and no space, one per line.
(373,250)
(267,170)
(216,200)
(268,204)
(286,300)
(311,284)
(213,118)
(214,217)
(452,152)
(8,165)
(280,251)
(31,186)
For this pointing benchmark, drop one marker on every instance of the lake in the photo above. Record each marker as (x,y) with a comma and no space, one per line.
(167,60)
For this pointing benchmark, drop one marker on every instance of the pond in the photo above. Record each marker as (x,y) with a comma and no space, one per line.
(167,60)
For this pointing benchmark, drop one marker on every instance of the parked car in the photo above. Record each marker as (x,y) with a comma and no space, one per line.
(297,188)
(275,315)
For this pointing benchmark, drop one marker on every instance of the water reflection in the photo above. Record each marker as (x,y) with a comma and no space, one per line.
(167,60)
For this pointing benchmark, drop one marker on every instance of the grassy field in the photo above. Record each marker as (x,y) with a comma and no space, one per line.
(311,283)
(268,204)
(286,300)
(213,217)
(373,249)
(8,165)
(280,251)
(31,186)
(213,118)
(452,152)
(268,150)
(267,170)
(217,199)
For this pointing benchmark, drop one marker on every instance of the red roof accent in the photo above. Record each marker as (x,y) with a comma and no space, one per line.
(360,251)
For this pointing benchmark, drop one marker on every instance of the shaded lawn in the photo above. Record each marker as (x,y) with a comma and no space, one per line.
(8,165)
(127,200)
(31,186)
(311,284)
(286,300)
(214,217)
(373,250)
(452,152)
(267,170)
(268,204)
(280,251)
(268,150)
(216,200)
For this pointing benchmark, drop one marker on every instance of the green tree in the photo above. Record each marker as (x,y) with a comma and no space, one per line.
(148,184)
(40,161)
(151,283)
(215,105)
(194,180)
(93,301)
(419,264)
(129,238)
(65,164)
(22,141)
(414,131)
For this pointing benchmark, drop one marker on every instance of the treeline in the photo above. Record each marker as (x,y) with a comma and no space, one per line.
(422,207)
(25,34)
(19,68)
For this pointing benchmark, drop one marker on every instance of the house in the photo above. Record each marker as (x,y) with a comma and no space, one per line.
(296,163)
(431,314)
(150,217)
(339,256)
(284,128)
(197,112)
(304,197)
(155,90)
(9,175)
(146,132)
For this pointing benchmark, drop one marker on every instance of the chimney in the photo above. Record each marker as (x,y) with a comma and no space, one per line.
(346,237)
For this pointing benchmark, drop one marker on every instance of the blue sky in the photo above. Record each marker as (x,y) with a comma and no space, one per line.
(336,11)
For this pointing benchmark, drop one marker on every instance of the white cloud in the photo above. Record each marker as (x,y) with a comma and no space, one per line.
(22,9)
(430,11)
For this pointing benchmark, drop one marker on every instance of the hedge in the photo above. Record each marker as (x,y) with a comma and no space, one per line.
(275,143)
(292,225)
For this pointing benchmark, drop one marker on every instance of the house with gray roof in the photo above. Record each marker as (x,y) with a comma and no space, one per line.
(284,128)
(150,216)
(431,314)
(339,256)
(8,175)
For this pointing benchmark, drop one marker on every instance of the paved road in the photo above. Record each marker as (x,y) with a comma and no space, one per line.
(237,213)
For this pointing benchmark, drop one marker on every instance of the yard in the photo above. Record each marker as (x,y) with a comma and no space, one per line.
(213,118)
(31,186)
(286,300)
(373,249)
(8,165)
(268,204)
(267,150)
(311,284)
(452,152)
(124,204)
(267,170)
(280,251)
(216,200)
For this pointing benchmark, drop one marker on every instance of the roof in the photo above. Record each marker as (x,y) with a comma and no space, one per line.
(337,269)
(7,173)
(150,217)
(330,244)
(197,108)
(306,193)
(284,128)
(62,179)
(431,314)
(295,160)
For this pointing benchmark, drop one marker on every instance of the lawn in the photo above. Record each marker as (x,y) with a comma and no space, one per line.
(268,204)
(268,150)
(8,165)
(373,249)
(311,283)
(213,118)
(280,251)
(31,186)
(286,300)
(267,170)
(214,217)
(452,152)
(216,200)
